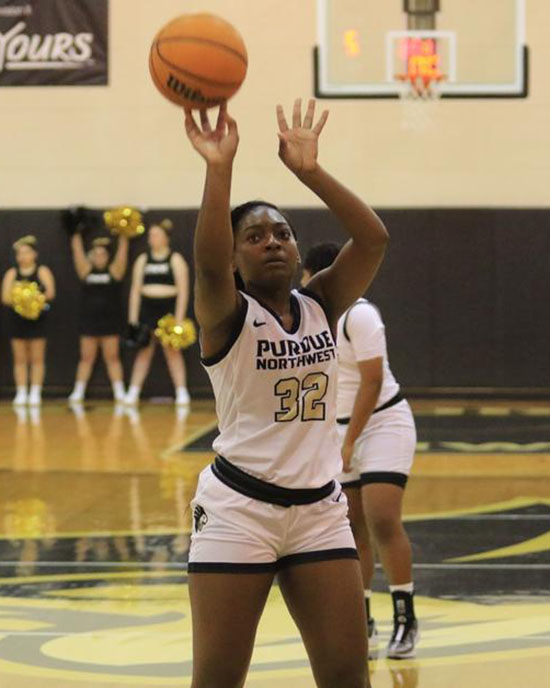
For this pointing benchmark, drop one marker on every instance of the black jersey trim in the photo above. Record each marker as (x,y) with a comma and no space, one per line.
(249,486)
(351,484)
(399,479)
(235,334)
(319,555)
(214,567)
(396,399)
(294,308)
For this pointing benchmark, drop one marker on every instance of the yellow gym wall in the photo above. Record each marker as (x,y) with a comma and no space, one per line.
(124,143)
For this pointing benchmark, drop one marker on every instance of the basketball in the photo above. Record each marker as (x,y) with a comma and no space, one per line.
(198,60)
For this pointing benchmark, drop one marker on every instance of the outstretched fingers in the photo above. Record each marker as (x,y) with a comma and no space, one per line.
(318,128)
(205,122)
(297,114)
(281,119)
(190,125)
(222,117)
(232,128)
(310,113)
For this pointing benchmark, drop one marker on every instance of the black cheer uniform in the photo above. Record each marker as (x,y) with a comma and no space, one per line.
(23,328)
(157,272)
(100,305)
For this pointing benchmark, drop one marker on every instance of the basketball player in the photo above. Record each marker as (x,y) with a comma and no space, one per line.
(28,337)
(160,285)
(269,504)
(100,310)
(378,438)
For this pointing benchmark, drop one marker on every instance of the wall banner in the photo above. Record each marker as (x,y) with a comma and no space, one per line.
(53,42)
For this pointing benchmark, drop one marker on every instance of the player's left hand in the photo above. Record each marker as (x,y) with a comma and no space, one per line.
(298,145)
(347,454)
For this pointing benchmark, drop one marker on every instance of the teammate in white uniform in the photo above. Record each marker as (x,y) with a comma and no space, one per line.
(378,440)
(269,503)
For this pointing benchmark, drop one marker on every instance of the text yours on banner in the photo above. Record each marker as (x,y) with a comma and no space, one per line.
(53,42)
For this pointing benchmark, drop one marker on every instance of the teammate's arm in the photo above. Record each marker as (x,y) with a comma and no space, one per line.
(7,284)
(82,265)
(120,261)
(357,263)
(135,289)
(181,277)
(371,372)
(217,301)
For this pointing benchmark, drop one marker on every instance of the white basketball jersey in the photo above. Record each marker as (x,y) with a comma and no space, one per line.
(276,396)
(361,336)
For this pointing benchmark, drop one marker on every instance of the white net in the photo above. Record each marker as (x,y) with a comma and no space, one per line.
(419,105)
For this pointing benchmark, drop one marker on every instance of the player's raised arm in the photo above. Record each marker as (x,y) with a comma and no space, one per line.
(216,297)
(355,267)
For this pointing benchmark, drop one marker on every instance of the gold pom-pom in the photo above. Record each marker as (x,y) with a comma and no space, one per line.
(27,299)
(124,221)
(178,335)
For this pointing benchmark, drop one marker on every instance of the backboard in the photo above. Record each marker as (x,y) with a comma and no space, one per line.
(462,48)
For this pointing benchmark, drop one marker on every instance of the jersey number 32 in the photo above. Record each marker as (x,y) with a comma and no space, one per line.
(302,399)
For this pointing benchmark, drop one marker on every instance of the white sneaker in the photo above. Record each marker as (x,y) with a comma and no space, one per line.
(182,397)
(131,398)
(20,399)
(34,398)
(119,397)
(76,397)
(404,639)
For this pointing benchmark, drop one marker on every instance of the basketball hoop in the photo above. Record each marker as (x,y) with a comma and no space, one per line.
(420,62)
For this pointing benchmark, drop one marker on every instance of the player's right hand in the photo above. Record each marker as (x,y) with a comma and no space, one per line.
(217,146)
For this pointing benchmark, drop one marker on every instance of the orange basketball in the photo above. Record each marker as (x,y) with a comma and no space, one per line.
(198,60)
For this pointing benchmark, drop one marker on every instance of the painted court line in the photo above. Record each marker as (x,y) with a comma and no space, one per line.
(182,566)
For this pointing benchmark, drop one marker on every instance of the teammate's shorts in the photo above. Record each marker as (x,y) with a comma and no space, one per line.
(233,533)
(384,451)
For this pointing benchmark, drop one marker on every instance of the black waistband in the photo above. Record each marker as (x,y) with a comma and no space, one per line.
(258,489)
(391,402)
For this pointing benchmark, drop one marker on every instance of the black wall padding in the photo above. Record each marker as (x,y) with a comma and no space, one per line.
(464,294)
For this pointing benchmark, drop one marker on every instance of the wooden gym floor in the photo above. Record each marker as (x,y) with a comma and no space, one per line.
(94,530)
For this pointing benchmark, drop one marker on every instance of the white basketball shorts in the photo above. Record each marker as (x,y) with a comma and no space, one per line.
(384,451)
(234,533)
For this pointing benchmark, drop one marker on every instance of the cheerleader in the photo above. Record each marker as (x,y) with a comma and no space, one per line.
(160,285)
(28,336)
(100,310)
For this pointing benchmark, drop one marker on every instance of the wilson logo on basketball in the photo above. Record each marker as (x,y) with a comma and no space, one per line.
(21,51)
(191,94)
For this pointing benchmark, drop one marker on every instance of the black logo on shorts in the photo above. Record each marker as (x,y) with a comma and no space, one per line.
(200,519)
(258,324)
